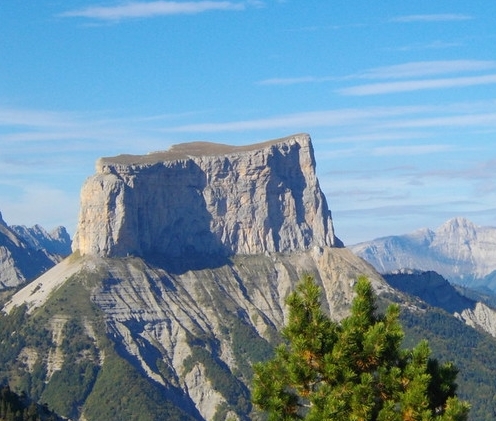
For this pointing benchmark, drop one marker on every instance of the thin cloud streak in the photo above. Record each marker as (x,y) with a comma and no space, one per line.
(417,85)
(487,119)
(398,71)
(426,68)
(152,9)
(342,117)
(441,17)
(410,150)
(376,117)
(435,45)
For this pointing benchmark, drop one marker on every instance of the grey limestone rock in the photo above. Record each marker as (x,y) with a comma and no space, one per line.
(206,199)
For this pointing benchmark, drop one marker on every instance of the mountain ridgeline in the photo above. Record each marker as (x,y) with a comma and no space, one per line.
(459,250)
(26,253)
(181,265)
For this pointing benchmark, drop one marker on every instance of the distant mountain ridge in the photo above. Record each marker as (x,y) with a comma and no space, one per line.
(436,291)
(459,250)
(26,253)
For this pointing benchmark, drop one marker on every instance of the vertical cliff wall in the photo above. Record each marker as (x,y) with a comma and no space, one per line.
(205,198)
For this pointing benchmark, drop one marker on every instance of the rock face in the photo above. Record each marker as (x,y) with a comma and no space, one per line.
(206,199)
(25,253)
(458,250)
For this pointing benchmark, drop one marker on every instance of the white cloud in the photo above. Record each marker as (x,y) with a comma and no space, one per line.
(397,71)
(325,118)
(152,9)
(53,207)
(470,120)
(434,45)
(417,85)
(441,17)
(426,68)
(410,150)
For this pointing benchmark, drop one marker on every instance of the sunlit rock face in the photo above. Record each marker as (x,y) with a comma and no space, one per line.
(206,199)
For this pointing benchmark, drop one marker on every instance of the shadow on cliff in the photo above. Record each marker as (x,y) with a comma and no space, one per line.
(287,179)
(184,239)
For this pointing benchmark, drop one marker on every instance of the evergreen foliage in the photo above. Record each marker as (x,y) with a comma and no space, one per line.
(355,370)
(14,407)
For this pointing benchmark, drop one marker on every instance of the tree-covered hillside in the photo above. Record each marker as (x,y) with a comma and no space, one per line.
(97,374)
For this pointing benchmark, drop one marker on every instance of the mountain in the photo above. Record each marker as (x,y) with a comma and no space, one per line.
(436,291)
(459,250)
(181,265)
(25,253)
(56,242)
(182,262)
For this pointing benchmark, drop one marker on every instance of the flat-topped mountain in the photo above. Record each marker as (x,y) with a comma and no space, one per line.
(183,260)
(206,199)
(182,263)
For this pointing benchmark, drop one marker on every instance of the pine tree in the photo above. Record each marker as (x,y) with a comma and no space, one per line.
(353,370)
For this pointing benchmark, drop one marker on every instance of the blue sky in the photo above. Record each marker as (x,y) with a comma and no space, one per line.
(398,97)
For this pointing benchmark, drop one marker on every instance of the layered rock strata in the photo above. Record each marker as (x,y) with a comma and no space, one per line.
(206,199)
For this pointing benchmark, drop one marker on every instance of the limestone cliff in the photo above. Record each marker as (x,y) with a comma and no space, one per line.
(205,198)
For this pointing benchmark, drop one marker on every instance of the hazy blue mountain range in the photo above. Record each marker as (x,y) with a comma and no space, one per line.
(26,253)
(459,250)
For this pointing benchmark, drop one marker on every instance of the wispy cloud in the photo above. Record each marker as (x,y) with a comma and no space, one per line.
(152,9)
(410,150)
(414,69)
(434,45)
(53,206)
(441,17)
(417,85)
(460,120)
(426,68)
(328,118)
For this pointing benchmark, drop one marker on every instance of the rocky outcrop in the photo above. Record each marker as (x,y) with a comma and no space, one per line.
(206,199)
(459,250)
(25,253)
(481,317)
